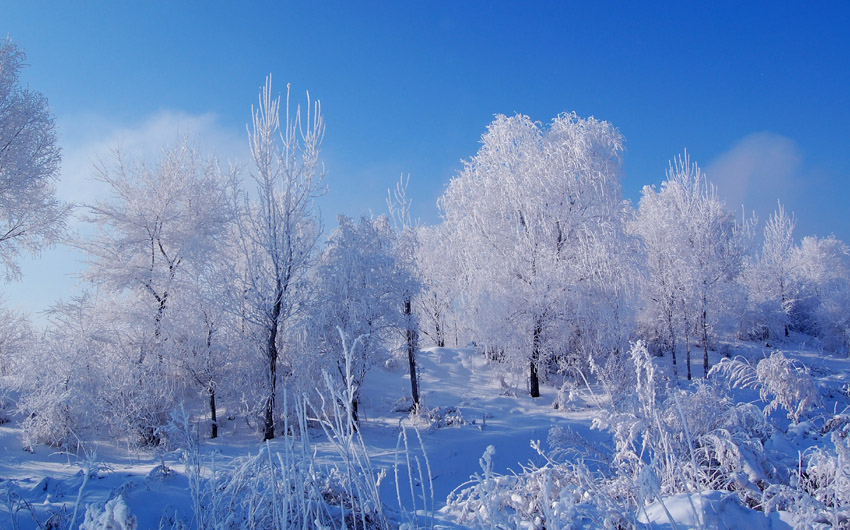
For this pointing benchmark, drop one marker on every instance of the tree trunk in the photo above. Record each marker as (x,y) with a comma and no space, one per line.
(441,340)
(672,342)
(412,339)
(534,381)
(268,422)
(688,352)
(271,357)
(704,344)
(214,426)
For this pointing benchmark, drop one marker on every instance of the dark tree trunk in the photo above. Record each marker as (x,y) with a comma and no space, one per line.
(412,339)
(534,380)
(268,420)
(441,340)
(354,416)
(688,352)
(271,357)
(214,426)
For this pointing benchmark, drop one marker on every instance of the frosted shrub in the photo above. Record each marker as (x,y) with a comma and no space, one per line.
(292,487)
(782,382)
(556,495)
(288,488)
(787,384)
(671,441)
(827,478)
(114,516)
(817,496)
(4,404)
(48,418)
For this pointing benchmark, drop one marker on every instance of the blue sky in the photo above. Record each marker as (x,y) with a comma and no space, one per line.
(758,93)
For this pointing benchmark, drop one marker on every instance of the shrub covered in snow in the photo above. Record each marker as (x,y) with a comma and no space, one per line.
(556,495)
(113,516)
(782,382)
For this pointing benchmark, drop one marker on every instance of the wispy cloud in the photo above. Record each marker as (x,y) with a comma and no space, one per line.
(85,139)
(758,170)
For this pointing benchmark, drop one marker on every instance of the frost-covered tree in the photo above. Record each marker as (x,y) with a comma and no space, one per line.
(405,244)
(695,250)
(822,269)
(160,223)
(159,217)
(362,295)
(206,333)
(31,217)
(279,229)
(436,301)
(534,219)
(770,279)
(17,340)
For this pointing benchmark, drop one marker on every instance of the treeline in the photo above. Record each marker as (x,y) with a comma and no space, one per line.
(210,286)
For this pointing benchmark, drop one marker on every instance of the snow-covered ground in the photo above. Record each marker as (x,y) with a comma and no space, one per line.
(479,408)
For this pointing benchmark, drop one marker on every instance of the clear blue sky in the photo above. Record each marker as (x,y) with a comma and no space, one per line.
(758,93)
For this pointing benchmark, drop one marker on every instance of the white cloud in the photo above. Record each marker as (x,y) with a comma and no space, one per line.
(758,170)
(87,138)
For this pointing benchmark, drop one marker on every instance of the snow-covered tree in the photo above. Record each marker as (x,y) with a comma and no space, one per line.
(695,250)
(206,334)
(535,217)
(160,224)
(436,301)
(822,268)
(770,279)
(31,217)
(362,294)
(279,229)
(17,340)
(405,244)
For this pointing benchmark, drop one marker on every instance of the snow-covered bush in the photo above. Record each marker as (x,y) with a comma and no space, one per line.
(557,495)
(786,383)
(689,439)
(48,417)
(113,516)
(817,496)
(782,382)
